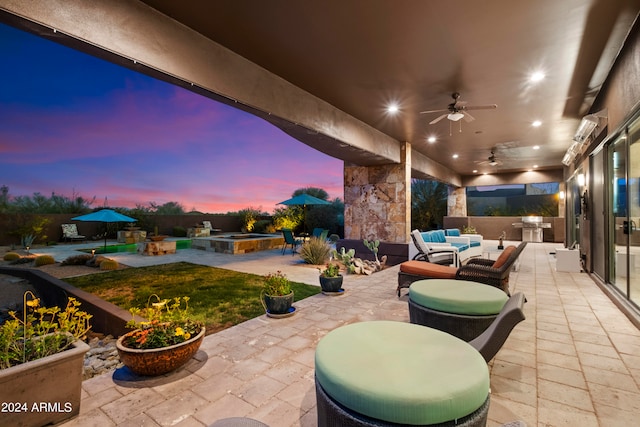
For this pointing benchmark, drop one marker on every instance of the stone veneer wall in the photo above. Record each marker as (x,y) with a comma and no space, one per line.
(377,201)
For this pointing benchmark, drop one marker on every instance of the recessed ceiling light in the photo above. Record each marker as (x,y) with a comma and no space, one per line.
(536,123)
(537,76)
(455,156)
(431,139)
(392,108)
(535,166)
(475,171)
(485,173)
(536,147)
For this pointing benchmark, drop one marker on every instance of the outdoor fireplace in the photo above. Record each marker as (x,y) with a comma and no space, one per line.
(532,228)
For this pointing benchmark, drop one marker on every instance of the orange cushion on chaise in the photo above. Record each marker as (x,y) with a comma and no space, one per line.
(421,268)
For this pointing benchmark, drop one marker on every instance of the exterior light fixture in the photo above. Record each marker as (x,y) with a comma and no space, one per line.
(475,171)
(431,139)
(536,147)
(561,195)
(392,108)
(455,156)
(537,76)
(536,123)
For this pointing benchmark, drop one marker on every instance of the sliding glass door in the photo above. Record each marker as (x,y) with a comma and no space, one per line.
(624,230)
(619,238)
(633,221)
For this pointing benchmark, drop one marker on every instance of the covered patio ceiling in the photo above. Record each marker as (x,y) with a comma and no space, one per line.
(361,56)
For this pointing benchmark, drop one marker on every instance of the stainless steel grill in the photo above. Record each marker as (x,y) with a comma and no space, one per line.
(532,228)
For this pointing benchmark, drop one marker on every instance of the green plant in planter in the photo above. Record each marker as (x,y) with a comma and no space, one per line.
(276,284)
(331,279)
(41,332)
(276,295)
(331,270)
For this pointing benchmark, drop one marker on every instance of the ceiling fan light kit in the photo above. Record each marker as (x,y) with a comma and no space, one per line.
(454,117)
(458,110)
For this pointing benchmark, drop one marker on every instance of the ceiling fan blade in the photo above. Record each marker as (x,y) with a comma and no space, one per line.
(437,119)
(433,111)
(482,107)
(468,117)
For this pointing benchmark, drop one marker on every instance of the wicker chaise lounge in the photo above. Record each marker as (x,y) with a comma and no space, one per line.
(494,273)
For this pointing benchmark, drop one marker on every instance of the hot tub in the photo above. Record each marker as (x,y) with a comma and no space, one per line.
(238,243)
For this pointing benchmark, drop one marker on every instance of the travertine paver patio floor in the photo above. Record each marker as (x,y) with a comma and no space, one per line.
(574,361)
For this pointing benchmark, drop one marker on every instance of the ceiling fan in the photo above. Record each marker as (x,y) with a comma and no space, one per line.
(491,160)
(458,110)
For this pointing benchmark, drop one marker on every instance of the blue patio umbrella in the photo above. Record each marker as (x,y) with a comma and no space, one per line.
(303,200)
(104,215)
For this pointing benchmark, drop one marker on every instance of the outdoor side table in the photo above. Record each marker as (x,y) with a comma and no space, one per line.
(385,373)
(459,307)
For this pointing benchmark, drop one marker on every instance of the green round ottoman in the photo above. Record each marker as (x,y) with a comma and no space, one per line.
(459,307)
(384,373)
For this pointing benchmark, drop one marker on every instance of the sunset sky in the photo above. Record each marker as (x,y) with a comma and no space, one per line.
(73,123)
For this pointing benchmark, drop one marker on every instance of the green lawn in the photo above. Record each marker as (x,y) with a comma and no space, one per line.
(220,298)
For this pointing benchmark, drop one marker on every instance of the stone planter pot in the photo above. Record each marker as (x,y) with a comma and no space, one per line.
(44,391)
(158,361)
(331,284)
(277,304)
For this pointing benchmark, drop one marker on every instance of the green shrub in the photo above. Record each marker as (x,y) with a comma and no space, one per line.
(77,260)
(96,260)
(179,231)
(261,226)
(109,264)
(11,256)
(315,251)
(44,260)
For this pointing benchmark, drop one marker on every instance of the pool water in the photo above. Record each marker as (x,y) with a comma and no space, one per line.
(133,247)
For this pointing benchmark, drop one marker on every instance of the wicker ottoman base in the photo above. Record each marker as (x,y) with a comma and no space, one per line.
(463,326)
(333,414)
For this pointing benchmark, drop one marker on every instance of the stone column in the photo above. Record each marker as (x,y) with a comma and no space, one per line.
(457,201)
(377,201)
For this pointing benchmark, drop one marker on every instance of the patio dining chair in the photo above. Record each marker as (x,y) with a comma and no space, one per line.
(289,239)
